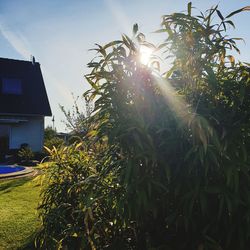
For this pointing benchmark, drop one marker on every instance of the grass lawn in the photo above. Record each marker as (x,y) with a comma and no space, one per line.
(18,216)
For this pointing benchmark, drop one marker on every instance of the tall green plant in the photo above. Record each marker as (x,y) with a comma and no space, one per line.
(183,163)
(172,169)
(217,88)
(78,202)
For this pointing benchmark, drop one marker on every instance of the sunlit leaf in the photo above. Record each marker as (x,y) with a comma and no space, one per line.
(189,8)
(247,8)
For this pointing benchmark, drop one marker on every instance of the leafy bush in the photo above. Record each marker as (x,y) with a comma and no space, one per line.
(54,142)
(49,133)
(167,166)
(51,139)
(25,154)
(77,202)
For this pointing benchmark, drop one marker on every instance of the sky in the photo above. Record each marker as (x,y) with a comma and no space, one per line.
(59,34)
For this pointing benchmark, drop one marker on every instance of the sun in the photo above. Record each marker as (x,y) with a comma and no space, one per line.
(145,54)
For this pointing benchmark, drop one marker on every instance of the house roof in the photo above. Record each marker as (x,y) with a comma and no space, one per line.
(32,99)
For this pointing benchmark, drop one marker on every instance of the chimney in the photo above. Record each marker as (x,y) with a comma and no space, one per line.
(32,59)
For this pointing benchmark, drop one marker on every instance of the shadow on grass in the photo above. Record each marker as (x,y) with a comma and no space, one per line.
(8,185)
(30,243)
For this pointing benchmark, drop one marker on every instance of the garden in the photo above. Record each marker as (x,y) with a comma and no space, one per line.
(161,161)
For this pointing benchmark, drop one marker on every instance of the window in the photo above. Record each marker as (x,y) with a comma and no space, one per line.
(12,86)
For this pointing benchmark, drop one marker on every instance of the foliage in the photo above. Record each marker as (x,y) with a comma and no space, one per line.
(49,133)
(172,167)
(26,154)
(217,89)
(54,142)
(76,119)
(76,202)
(51,139)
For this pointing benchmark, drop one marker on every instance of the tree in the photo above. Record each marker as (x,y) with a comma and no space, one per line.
(49,133)
(51,139)
(77,118)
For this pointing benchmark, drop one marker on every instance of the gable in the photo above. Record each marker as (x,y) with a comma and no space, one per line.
(22,89)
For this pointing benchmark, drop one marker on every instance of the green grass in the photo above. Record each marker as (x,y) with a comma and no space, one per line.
(18,215)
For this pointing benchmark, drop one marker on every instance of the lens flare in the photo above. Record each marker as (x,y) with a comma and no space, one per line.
(145,55)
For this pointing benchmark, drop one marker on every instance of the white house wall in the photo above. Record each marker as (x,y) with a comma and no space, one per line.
(30,132)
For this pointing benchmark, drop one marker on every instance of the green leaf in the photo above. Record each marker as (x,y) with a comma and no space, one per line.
(230,22)
(161,30)
(211,77)
(242,93)
(189,8)
(247,8)
(203,202)
(128,42)
(231,59)
(113,43)
(220,15)
(163,45)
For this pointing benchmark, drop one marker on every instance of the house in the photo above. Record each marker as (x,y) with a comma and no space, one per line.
(23,105)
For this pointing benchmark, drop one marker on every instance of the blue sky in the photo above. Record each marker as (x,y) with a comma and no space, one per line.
(59,34)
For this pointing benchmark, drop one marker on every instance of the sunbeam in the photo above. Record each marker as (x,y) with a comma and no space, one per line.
(145,54)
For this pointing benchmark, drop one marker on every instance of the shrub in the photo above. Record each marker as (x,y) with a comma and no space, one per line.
(77,208)
(49,133)
(54,142)
(51,139)
(25,154)
(172,167)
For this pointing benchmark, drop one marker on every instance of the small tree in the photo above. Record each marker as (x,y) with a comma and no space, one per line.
(51,138)
(77,118)
(49,133)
